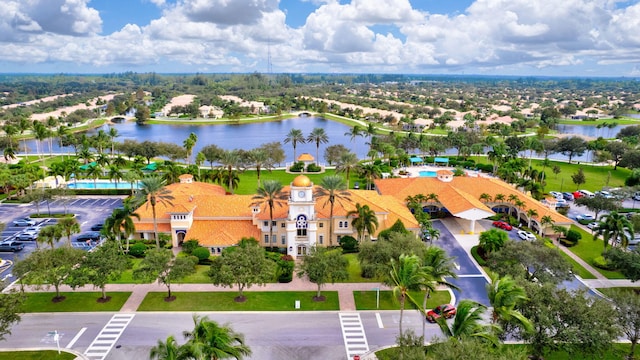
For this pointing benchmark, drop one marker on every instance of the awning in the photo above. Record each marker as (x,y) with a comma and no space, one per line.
(441,160)
(416,159)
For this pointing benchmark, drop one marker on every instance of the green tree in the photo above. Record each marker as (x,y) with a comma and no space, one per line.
(106,263)
(493,240)
(115,174)
(230,163)
(627,304)
(370,172)
(49,267)
(468,322)
(10,308)
(597,204)
(318,136)
(437,266)
(121,222)
(504,295)
(614,227)
(627,262)
(295,137)
(243,265)
(472,348)
(374,257)
(364,219)
(347,163)
(355,131)
(153,191)
(321,265)
(69,226)
(406,274)
(50,234)
(334,190)
(211,341)
(162,265)
(578,178)
(260,159)
(269,196)
(167,350)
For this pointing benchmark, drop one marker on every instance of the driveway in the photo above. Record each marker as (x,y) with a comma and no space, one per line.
(470,279)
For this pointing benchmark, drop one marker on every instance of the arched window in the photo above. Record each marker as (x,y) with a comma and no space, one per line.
(301,225)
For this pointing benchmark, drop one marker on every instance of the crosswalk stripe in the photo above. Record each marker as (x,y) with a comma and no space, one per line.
(108,336)
(355,340)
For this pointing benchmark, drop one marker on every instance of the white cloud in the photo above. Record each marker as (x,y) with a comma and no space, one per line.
(227,12)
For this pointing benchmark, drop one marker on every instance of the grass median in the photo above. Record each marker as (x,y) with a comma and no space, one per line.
(587,250)
(73,302)
(255,301)
(36,355)
(366,300)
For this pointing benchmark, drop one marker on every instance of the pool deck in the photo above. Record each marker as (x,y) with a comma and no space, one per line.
(414,171)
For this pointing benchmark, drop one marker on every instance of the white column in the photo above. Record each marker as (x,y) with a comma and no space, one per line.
(473,227)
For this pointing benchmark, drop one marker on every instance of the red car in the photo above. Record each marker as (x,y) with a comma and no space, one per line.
(446,310)
(577,195)
(502,225)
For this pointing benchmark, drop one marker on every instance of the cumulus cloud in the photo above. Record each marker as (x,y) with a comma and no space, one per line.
(227,12)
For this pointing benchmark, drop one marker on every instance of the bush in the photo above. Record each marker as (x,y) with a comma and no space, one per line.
(190,245)
(602,263)
(349,244)
(137,250)
(313,168)
(202,253)
(368,271)
(297,167)
(286,265)
(475,253)
(573,236)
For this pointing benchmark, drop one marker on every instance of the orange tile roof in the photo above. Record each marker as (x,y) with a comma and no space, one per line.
(148,226)
(222,232)
(466,190)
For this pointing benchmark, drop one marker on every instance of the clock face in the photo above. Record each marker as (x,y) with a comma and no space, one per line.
(301,194)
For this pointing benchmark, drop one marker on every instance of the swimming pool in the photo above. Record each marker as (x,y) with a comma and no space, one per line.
(427,173)
(101,184)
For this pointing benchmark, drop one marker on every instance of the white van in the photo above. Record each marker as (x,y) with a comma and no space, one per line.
(586,193)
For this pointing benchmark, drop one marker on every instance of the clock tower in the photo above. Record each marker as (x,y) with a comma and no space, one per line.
(302,225)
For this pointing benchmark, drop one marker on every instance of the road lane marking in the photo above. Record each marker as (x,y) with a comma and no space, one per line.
(471,276)
(379,319)
(110,333)
(355,340)
(75,338)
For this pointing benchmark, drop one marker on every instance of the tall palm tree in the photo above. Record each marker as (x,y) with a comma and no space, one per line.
(370,171)
(468,322)
(167,350)
(115,174)
(295,137)
(94,172)
(531,213)
(230,163)
(318,136)
(348,162)
(355,131)
(270,195)
(504,295)
(406,274)
(545,221)
(121,222)
(188,145)
(260,159)
(334,189)
(49,234)
(113,134)
(211,341)
(69,226)
(153,191)
(614,227)
(437,266)
(364,219)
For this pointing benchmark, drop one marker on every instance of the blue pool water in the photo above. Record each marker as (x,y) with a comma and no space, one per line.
(426,173)
(101,185)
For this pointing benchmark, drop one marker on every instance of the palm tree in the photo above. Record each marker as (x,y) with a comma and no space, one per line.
(499,198)
(269,195)
(294,137)
(69,226)
(484,197)
(364,219)
(260,159)
(406,274)
(94,172)
(356,131)
(504,295)
(334,189)
(152,191)
(167,350)
(211,341)
(531,213)
(348,162)
(115,174)
(370,171)
(113,134)
(545,221)
(614,227)
(436,265)
(121,221)
(468,322)
(228,161)
(49,234)
(318,136)
(131,177)
(188,145)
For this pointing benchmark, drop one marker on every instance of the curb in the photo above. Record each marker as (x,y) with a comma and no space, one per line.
(79,356)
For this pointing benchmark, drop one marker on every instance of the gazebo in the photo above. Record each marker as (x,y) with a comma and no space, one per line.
(416,160)
(441,161)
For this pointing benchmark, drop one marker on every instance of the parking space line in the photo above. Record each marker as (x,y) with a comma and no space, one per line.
(110,333)
(355,340)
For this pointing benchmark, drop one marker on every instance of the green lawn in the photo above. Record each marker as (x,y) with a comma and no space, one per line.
(200,277)
(366,300)
(576,268)
(616,353)
(256,301)
(36,355)
(587,250)
(127,275)
(249,179)
(354,270)
(631,290)
(74,302)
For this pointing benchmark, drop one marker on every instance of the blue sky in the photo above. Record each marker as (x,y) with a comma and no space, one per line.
(488,37)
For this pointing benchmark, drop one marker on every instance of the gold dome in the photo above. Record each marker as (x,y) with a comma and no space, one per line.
(305,157)
(301,181)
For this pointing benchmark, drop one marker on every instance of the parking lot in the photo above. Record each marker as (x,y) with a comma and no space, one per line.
(88,210)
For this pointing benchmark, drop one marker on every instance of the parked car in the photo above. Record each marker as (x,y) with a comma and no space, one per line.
(586,193)
(525,235)
(27,236)
(446,311)
(585,217)
(89,236)
(502,225)
(593,225)
(636,197)
(97,227)
(577,195)
(12,246)
(356,185)
(24,222)
(555,194)
(605,194)
(568,196)
(561,202)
